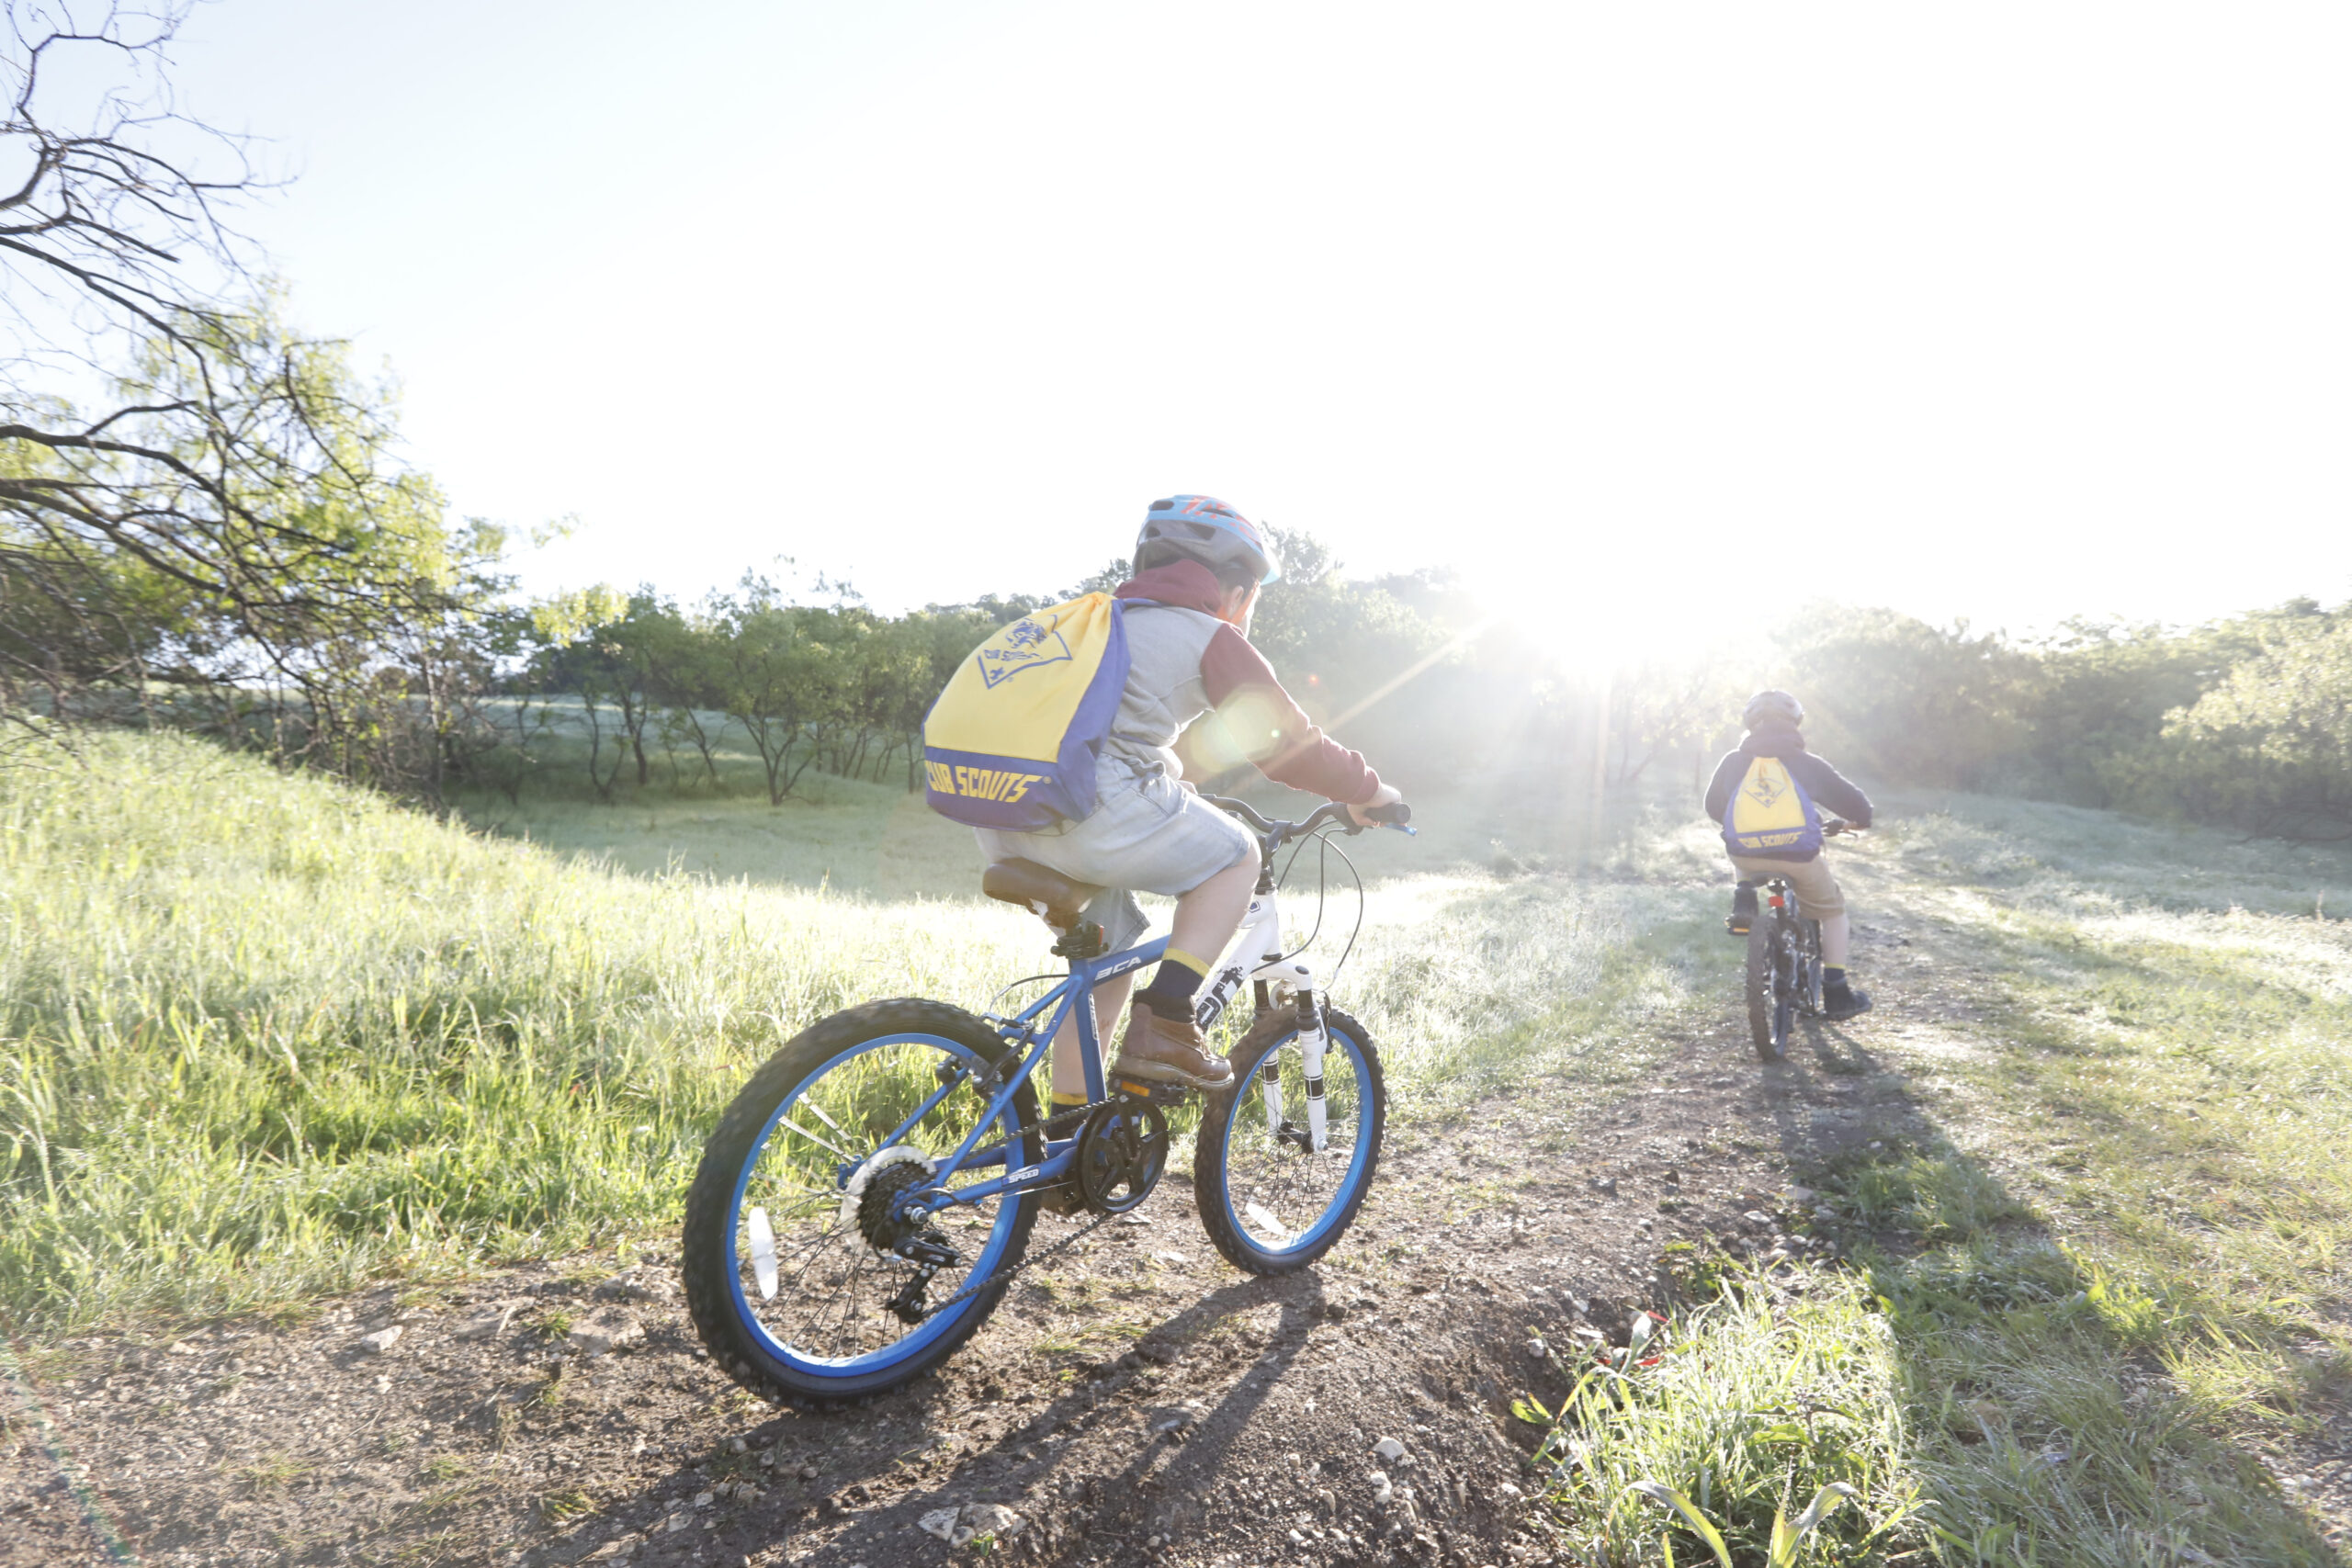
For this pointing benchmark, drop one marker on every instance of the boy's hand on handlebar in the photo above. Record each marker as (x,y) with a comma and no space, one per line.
(1371,814)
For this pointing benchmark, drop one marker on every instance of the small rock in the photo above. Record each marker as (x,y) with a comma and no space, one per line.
(1605,1184)
(674,1522)
(701,1499)
(1824,1215)
(1536,1348)
(1389,1449)
(807,1472)
(631,1284)
(948,1525)
(1800,1194)
(992,1518)
(490,1324)
(604,1331)
(1722,1083)
(1508,1490)
(1176,1258)
(1134,1217)
(738,1445)
(383,1339)
(1757,1218)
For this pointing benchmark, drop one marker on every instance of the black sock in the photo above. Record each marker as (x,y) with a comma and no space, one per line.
(1833,974)
(1173,984)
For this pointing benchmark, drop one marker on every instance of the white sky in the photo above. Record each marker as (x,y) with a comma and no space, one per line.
(1632,313)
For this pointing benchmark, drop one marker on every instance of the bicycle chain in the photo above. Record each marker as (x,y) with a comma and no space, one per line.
(1006,1275)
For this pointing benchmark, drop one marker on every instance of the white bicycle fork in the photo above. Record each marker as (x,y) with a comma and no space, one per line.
(1288,981)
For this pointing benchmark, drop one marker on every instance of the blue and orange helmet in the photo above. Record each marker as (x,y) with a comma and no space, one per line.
(1202,528)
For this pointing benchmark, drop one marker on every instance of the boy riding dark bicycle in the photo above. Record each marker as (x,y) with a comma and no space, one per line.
(1772,774)
(1199,566)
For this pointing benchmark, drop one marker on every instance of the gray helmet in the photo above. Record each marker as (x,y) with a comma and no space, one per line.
(1204,529)
(1768,706)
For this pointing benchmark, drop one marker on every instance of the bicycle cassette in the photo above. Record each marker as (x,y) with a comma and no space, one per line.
(1122,1153)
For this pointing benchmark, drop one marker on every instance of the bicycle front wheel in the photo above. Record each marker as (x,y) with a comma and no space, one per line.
(1269,1201)
(788,1285)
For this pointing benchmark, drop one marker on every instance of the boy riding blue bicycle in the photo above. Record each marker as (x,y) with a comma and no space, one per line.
(1185,616)
(868,1196)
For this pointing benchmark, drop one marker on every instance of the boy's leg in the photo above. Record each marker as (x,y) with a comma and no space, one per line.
(1820,898)
(1162,1042)
(1125,925)
(1743,907)
(1070,1069)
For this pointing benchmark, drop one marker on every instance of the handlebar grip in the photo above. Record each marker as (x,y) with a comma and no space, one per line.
(1396,814)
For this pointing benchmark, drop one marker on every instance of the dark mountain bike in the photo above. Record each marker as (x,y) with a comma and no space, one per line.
(1783,962)
(867,1199)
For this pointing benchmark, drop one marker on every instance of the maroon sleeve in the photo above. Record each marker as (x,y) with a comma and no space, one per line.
(1300,754)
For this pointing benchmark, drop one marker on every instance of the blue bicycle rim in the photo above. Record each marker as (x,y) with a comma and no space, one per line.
(1244,1074)
(930,1328)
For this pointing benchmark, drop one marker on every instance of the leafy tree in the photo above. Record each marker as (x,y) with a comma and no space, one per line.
(190,492)
(777,680)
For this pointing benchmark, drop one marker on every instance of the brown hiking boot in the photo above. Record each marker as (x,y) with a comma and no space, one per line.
(1169,1050)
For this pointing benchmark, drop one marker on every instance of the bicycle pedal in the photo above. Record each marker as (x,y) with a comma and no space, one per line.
(1733,928)
(1157,1093)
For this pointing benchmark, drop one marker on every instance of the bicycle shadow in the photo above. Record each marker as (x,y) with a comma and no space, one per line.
(1970,1275)
(1182,1444)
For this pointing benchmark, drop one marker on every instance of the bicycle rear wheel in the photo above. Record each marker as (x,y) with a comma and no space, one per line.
(1269,1203)
(783,1279)
(1768,1005)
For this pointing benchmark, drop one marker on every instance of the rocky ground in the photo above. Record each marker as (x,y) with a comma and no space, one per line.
(1135,1401)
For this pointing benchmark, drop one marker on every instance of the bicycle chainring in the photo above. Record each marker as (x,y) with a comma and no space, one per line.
(1122,1153)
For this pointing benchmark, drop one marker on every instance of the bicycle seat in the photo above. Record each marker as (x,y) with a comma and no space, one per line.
(1037,888)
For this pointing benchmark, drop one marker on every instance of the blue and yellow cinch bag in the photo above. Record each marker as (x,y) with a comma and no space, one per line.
(1771,813)
(1012,742)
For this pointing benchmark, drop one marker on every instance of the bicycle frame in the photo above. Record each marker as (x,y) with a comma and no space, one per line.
(1030,1033)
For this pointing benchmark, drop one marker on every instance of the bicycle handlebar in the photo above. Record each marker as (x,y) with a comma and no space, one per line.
(1394,814)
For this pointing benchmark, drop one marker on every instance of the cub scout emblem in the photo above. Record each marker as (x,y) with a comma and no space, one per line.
(1020,757)
(1024,646)
(1769,811)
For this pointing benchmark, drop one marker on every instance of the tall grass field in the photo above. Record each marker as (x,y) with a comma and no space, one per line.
(265,1035)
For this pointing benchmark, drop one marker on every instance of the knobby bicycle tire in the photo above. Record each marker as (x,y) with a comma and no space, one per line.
(1763,997)
(708,1249)
(1211,1151)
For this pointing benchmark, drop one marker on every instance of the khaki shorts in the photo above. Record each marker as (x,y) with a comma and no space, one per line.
(1817,895)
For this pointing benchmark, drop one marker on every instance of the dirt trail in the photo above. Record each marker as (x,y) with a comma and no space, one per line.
(1135,1401)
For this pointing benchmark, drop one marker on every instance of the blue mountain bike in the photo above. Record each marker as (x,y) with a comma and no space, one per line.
(868,1197)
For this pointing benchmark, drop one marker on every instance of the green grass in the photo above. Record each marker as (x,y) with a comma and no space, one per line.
(2109,1278)
(1748,1407)
(265,1036)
